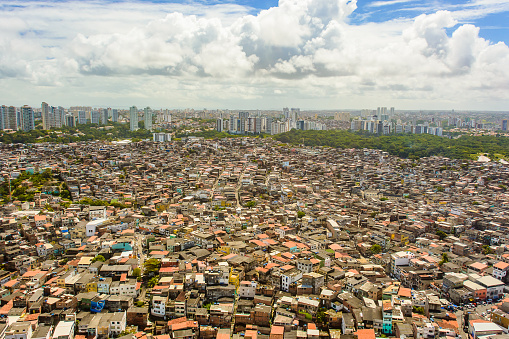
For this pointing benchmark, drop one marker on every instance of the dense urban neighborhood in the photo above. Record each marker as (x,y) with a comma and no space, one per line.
(247,237)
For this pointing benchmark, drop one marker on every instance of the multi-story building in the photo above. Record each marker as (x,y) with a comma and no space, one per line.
(82,117)
(159,306)
(27,114)
(104,116)
(95,117)
(148,118)
(46,111)
(114,115)
(133,118)
(219,125)
(243,116)
(9,117)
(70,121)
(289,277)
(161,137)
(500,270)
(3,116)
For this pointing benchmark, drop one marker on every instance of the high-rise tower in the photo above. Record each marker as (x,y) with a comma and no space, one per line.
(133,117)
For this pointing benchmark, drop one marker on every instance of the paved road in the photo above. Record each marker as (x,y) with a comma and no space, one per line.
(479,310)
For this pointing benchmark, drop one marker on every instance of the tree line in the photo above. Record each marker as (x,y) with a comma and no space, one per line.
(413,146)
(83,132)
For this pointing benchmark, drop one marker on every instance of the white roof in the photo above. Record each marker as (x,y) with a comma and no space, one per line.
(489,281)
(63,328)
(96,222)
(482,327)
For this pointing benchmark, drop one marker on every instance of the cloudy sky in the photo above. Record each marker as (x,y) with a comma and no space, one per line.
(256,54)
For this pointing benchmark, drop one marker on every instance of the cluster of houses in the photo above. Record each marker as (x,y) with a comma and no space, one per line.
(247,237)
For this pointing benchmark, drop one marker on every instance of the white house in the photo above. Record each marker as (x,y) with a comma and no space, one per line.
(91,227)
(19,330)
(158,306)
(117,324)
(247,289)
(127,288)
(289,277)
(494,287)
(43,249)
(500,270)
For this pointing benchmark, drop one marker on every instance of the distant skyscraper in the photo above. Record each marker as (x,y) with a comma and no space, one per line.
(95,117)
(114,115)
(59,117)
(27,114)
(219,125)
(82,117)
(104,116)
(133,117)
(11,121)
(243,118)
(286,113)
(258,125)
(233,124)
(3,115)
(148,118)
(392,111)
(46,116)
(504,125)
(294,114)
(268,125)
(70,121)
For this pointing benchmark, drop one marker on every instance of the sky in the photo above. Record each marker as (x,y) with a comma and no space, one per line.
(264,54)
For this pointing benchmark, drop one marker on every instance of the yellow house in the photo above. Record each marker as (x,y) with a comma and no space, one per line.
(225,249)
(500,318)
(92,286)
(234,277)
(64,278)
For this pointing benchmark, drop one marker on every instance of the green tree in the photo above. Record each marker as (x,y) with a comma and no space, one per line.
(441,234)
(99,258)
(375,249)
(445,259)
(137,272)
(301,214)
(251,204)
(153,281)
(151,266)
(418,310)
(486,249)
(321,316)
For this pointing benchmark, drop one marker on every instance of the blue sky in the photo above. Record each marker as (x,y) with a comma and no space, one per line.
(265,54)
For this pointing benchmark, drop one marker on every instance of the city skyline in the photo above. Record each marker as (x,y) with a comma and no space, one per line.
(313,54)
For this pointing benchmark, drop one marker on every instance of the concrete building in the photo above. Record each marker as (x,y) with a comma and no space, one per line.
(45,114)
(133,118)
(147,111)
(114,115)
(64,330)
(27,114)
(161,137)
(82,117)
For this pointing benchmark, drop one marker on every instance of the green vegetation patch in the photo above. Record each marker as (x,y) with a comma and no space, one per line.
(413,146)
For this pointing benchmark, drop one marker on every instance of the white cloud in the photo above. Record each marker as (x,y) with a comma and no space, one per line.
(303,50)
(388,3)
